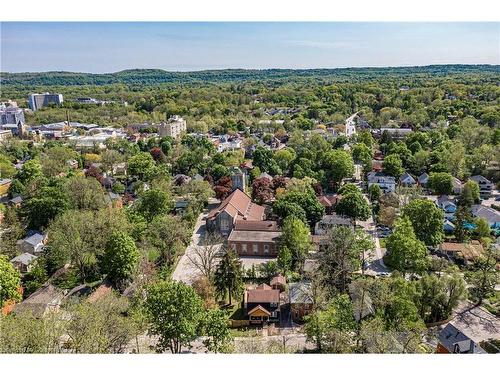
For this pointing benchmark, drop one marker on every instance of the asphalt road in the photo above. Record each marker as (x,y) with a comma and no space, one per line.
(376,262)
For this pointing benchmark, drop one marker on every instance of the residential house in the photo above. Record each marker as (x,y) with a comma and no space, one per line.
(5,134)
(278,282)
(266,175)
(328,222)
(329,202)
(485,186)
(407,179)
(237,205)
(386,183)
(45,300)
(17,201)
(377,165)
(180,206)
(448,206)
(423,179)
(466,252)
(457,186)
(262,304)
(22,262)
(361,302)
(319,241)
(448,226)
(395,133)
(33,243)
(301,300)
(4,186)
(491,215)
(452,340)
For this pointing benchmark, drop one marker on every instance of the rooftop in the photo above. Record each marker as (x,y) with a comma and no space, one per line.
(253,236)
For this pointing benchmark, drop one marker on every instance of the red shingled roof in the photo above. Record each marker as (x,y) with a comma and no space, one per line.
(263,294)
(239,204)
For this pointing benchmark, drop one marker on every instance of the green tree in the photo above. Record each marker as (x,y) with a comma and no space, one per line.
(295,239)
(84,193)
(80,237)
(461,216)
(228,279)
(374,193)
(469,194)
(426,219)
(284,259)
(44,205)
(216,329)
(7,169)
(405,252)
(436,297)
(482,227)
(100,327)
(485,276)
(121,257)
(342,257)
(54,160)
(441,183)
(167,235)
(331,328)
(154,202)
(24,333)
(338,165)
(35,277)
(296,202)
(142,166)
(393,166)
(11,230)
(174,314)
(10,281)
(354,205)
(30,171)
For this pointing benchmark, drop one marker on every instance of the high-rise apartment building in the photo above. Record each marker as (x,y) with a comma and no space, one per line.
(37,101)
(173,127)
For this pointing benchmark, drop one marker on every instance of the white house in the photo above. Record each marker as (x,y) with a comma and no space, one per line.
(386,183)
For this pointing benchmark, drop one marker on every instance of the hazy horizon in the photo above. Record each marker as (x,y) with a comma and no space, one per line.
(109,47)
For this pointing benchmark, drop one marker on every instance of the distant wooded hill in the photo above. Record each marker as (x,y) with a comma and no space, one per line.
(158,76)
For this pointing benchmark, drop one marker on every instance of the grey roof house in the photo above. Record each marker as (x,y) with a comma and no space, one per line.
(32,244)
(452,340)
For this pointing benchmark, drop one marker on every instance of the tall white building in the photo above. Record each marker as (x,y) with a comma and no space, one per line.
(350,126)
(173,127)
(37,101)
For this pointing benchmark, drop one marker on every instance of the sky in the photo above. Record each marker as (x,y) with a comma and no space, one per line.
(113,46)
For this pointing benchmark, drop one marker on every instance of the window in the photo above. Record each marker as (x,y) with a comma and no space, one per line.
(274,314)
(224,225)
(244,248)
(233,246)
(273,304)
(255,248)
(266,249)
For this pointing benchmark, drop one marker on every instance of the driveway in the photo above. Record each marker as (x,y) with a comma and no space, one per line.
(185,271)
